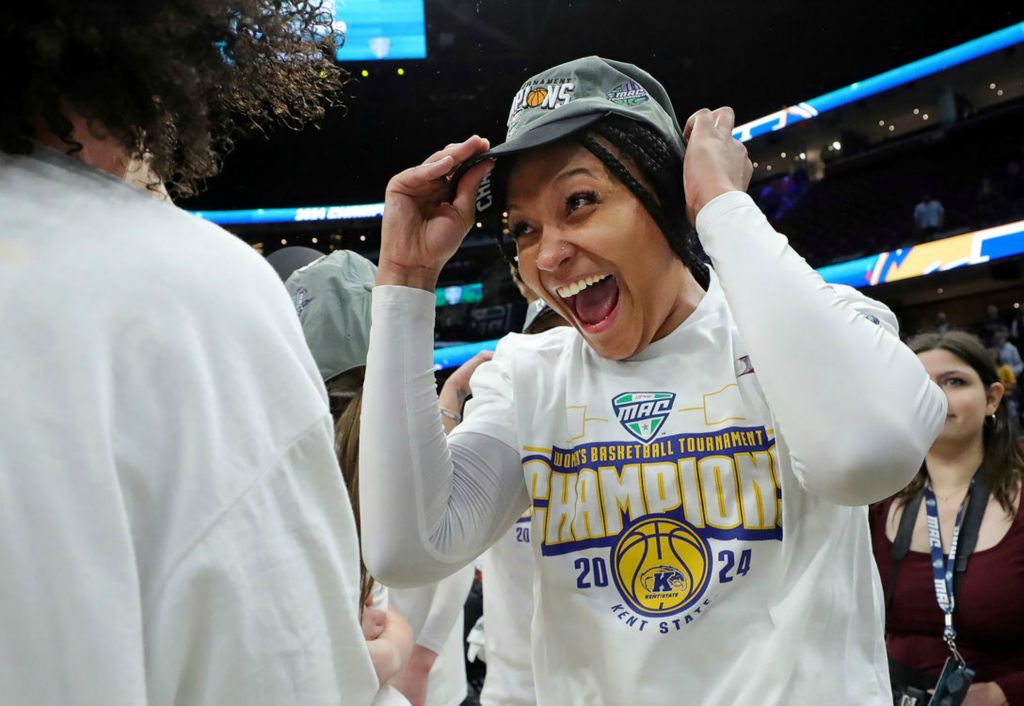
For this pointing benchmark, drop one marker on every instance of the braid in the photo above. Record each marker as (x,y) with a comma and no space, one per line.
(659,166)
(663,169)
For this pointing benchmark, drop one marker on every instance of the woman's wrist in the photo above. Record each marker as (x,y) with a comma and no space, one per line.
(424,278)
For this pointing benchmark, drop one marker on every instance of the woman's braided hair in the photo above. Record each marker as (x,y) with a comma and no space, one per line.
(659,166)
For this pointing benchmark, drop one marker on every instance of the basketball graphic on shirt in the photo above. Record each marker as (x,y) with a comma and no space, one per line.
(661,566)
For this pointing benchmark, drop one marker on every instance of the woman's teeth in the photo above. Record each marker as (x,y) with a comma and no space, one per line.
(575,288)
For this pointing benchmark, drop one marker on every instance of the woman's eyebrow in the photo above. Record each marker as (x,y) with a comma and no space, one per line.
(573,172)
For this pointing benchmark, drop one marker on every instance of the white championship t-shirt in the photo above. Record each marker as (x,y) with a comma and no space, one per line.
(173,524)
(698,509)
(507,569)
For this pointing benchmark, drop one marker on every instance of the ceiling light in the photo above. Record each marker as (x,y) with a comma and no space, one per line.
(315,241)
(837,145)
(881,123)
(916,111)
(924,117)
(892,128)
(999,92)
(991,86)
(283,241)
(362,238)
(364,73)
(803,155)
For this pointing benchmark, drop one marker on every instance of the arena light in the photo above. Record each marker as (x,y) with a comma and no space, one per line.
(292,215)
(1001,39)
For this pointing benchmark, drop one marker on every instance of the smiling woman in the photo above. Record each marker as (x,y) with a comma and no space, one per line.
(972,478)
(697,498)
(588,246)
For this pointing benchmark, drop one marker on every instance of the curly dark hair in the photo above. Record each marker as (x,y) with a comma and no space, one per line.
(658,165)
(174,82)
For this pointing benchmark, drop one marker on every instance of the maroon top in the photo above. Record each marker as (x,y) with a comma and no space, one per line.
(989,615)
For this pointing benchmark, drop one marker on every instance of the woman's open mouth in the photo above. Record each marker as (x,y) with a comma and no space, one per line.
(593,301)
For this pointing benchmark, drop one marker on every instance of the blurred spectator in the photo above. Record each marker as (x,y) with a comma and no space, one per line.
(929,215)
(1017,327)
(1009,380)
(941,324)
(1008,353)
(992,322)
(332,297)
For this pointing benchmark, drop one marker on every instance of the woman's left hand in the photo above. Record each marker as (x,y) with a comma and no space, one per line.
(986,693)
(715,161)
(456,390)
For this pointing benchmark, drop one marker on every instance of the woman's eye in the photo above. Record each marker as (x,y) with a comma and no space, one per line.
(579,200)
(954,382)
(518,230)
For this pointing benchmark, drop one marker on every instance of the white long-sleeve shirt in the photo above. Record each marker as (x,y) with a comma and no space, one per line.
(697,509)
(173,524)
(435,614)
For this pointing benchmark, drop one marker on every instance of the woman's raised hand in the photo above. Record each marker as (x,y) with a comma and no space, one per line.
(715,161)
(421,230)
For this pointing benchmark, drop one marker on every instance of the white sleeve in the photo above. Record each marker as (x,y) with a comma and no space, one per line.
(263,608)
(446,605)
(379,596)
(853,404)
(428,505)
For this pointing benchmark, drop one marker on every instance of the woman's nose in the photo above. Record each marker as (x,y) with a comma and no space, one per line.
(554,251)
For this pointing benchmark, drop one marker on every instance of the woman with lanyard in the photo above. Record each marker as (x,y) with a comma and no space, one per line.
(698,447)
(962,607)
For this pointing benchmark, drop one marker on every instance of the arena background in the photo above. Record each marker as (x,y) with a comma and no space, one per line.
(842,186)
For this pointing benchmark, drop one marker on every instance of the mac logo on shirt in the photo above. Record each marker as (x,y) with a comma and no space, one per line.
(643,414)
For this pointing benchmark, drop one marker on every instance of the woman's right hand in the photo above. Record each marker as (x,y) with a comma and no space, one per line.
(421,230)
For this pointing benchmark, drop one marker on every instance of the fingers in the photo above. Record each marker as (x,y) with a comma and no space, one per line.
(423,179)
(691,121)
(461,151)
(723,118)
(465,198)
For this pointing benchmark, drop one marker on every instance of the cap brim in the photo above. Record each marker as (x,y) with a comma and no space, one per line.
(536,137)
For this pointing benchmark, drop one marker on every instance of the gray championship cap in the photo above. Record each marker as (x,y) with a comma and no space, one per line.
(286,260)
(332,297)
(567,98)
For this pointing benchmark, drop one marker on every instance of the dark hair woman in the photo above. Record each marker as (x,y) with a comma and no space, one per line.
(697,447)
(976,461)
